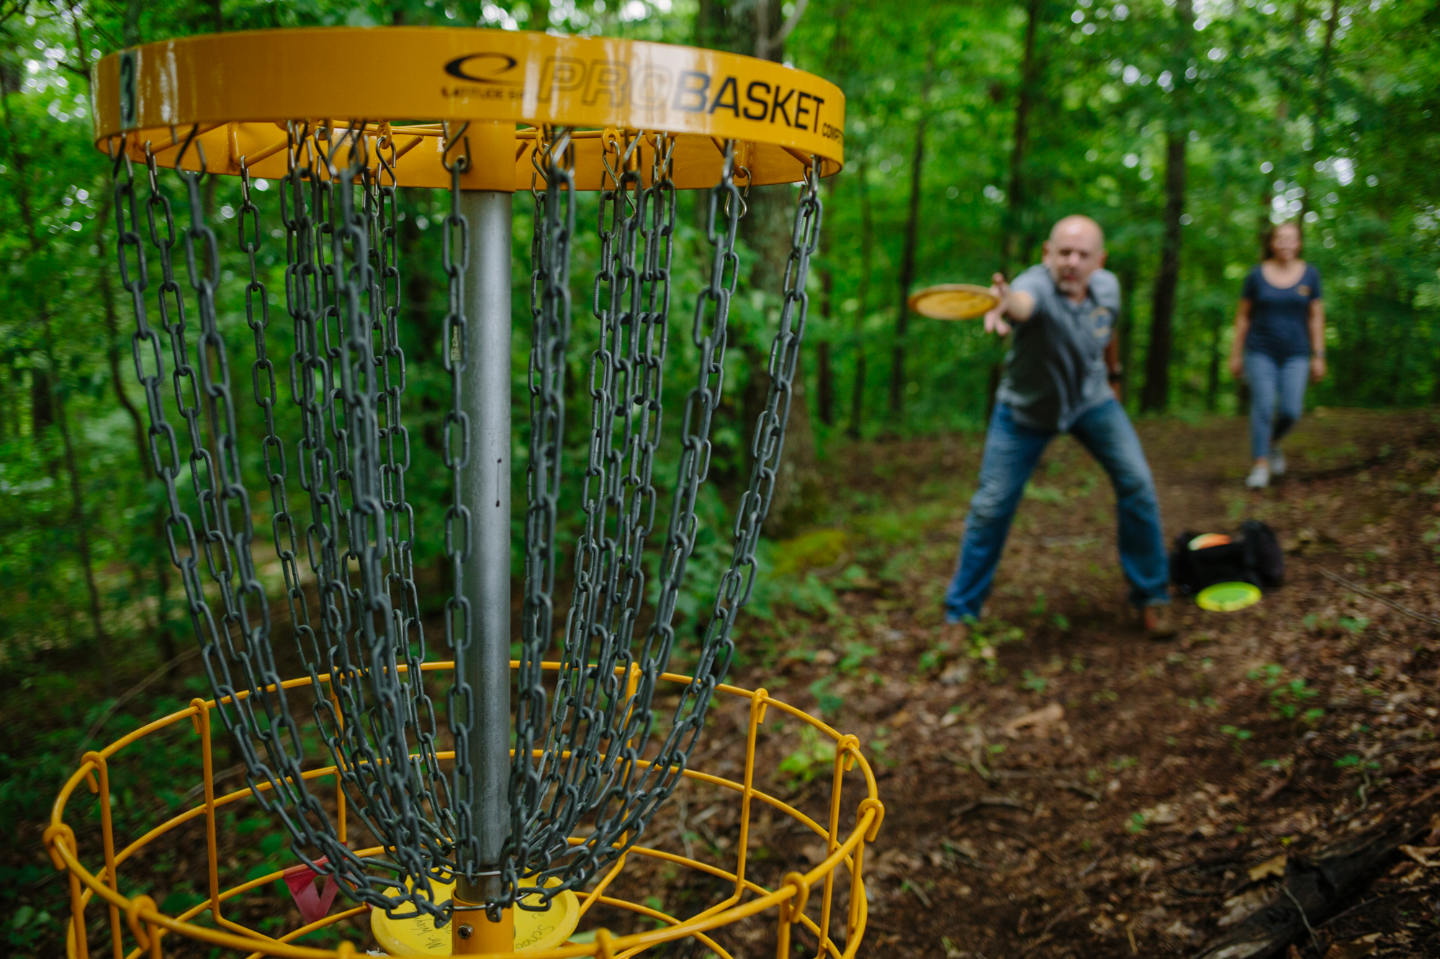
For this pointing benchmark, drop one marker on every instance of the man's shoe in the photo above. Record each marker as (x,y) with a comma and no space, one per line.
(1259,477)
(958,639)
(1157,622)
(955,637)
(1277,462)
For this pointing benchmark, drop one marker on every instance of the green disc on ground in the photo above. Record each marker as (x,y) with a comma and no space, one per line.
(1224,597)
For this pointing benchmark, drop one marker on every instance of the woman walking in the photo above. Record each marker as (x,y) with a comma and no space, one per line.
(1279,346)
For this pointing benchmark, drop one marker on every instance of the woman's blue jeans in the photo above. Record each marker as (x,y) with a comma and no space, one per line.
(1271,378)
(1011,452)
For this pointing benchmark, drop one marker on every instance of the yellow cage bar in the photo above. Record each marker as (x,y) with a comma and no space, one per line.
(105,906)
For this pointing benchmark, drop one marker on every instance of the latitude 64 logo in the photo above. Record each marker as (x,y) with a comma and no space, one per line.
(653,87)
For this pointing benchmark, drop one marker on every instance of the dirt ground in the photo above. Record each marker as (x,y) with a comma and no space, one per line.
(1064,787)
(1090,792)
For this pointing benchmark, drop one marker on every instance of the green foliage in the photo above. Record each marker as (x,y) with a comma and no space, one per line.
(1431,536)
(1354,625)
(1353,762)
(813,756)
(1237,734)
(811,549)
(1033,682)
(828,702)
(1287,697)
(1283,117)
(1279,118)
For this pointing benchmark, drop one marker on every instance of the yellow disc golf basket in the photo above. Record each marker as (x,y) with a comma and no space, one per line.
(545,797)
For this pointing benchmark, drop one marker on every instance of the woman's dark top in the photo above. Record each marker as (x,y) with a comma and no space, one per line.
(1278,315)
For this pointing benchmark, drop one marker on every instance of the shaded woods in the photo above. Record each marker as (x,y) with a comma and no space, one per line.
(1184,127)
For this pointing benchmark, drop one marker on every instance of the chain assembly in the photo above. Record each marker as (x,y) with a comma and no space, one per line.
(289,514)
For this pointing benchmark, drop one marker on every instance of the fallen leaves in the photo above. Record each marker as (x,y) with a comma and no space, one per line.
(1037,721)
(1274,866)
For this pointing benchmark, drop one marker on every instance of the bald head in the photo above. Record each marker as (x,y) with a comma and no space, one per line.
(1078,227)
(1075,250)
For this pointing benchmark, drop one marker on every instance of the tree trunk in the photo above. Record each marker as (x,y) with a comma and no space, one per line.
(77,497)
(1320,110)
(798,483)
(1125,330)
(757,31)
(130,25)
(1155,395)
(7,404)
(1017,240)
(907,257)
(49,394)
(42,412)
(716,29)
(1212,366)
(862,297)
(1016,237)
(824,374)
(160,563)
(211,20)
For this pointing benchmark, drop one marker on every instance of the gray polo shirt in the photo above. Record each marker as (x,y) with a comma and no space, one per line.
(1055,370)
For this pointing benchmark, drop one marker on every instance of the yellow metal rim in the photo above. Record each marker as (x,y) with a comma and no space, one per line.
(97,885)
(232,96)
(535,930)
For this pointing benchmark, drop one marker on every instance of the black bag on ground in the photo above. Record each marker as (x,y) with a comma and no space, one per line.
(1252,555)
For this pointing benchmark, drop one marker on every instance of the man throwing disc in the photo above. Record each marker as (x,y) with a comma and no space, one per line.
(1058,377)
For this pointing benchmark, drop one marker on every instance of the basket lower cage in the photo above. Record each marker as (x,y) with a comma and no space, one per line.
(751,856)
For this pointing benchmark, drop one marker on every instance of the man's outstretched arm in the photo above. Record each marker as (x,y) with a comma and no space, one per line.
(1014,305)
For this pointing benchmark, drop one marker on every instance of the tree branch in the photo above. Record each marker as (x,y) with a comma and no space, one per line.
(765,46)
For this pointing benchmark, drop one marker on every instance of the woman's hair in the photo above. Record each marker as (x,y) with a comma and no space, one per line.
(1267,242)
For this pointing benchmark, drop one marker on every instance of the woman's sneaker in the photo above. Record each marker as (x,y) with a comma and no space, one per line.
(1277,463)
(1259,477)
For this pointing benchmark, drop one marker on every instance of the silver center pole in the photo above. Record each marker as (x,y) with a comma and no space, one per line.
(486,492)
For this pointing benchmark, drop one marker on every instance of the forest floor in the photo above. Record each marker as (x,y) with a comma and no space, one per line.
(1065,787)
(1089,792)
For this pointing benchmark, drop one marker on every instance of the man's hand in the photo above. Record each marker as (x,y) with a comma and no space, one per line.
(1317,368)
(995,319)
(1237,365)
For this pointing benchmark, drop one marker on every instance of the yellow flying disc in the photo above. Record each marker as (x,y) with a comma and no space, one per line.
(1226,597)
(953,301)
(1209,539)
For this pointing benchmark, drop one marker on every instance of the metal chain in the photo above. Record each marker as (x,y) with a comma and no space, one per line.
(597,733)
(531,848)
(643,793)
(305,210)
(238,645)
(380,182)
(402,795)
(709,334)
(353,603)
(588,692)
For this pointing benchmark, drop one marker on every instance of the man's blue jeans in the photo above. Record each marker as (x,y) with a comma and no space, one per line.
(1268,378)
(1011,452)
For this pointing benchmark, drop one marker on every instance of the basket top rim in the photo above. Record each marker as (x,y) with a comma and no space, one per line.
(253,81)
